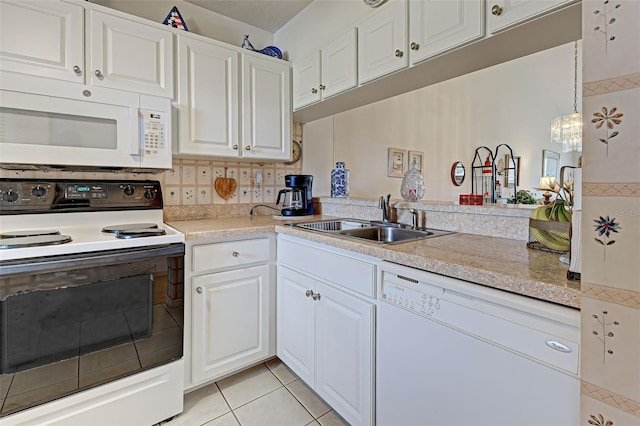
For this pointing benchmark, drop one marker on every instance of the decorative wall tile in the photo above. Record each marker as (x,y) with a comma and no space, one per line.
(203,196)
(595,412)
(244,176)
(609,294)
(624,82)
(610,34)
(188,195)
(171,196)
(203,173)
(610,137)
(244,194)
(611,260)
(620,189)
(268,194)
(610,347)
(172,176)
(188,173)
(610,398)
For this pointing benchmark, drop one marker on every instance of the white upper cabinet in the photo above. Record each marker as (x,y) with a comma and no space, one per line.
(339,65)
(437,26)
(266,108)
(208,97)
(128,55)
(43,38)
(503,14)
(326,73)
(49,39)
(382,42)
(306,81)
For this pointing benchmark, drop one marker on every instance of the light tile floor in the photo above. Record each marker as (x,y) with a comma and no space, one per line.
(268,394)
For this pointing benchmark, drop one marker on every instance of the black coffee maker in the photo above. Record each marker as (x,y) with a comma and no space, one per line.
(297,199)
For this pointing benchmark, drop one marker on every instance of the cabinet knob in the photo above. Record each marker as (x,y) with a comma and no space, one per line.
(414,45)
(399,53)
(496,10)
(86,93)
(199,290)
(316,296)
(98,74)
(322,87)
(248,148)
(235,254)
(235,147)
(314,90)
(308,293)
(77,70)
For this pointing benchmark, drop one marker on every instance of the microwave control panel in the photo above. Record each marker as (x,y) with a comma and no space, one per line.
(153,132)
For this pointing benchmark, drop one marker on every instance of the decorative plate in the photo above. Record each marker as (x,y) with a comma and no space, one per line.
(373,3)
(296,152)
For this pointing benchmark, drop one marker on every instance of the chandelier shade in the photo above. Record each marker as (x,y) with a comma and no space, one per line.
(567,129)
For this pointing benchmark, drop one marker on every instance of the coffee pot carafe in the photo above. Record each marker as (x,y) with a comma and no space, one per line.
(297,199)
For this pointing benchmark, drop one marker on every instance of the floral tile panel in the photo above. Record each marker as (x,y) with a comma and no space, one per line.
(611,152)
(610,235)
(610,348)
(610,30)
(594,412)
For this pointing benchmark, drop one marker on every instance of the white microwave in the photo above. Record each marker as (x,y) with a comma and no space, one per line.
(64,124)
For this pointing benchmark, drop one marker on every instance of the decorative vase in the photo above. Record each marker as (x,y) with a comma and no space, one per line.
(339,181)
(412,187)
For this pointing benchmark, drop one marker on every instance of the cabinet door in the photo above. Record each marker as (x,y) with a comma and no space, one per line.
(231,321)
(502,14)
(295,323)
(208,94)
(340,65)
(306,81)
(382,42)
(344,353)
(266,108)
(440,25)
(128,55)
(42,38)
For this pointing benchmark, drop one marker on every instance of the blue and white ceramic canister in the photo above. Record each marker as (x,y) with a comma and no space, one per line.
(339,181)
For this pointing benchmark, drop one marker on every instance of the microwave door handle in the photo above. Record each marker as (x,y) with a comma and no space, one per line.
(137,120)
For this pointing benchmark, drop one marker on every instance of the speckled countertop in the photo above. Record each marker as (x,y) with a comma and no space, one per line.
(495,262)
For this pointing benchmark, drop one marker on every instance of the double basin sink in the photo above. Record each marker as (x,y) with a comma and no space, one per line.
(379,232)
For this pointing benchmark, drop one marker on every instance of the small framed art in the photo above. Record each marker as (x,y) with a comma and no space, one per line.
(416,157)
(396,160)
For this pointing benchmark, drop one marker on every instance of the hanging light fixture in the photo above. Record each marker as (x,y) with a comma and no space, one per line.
(567,129)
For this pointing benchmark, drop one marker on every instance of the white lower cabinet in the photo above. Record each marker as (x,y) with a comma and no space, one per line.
(326,336)
(232,304)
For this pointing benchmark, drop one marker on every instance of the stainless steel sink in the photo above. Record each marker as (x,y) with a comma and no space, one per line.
(333,225)
(377,232)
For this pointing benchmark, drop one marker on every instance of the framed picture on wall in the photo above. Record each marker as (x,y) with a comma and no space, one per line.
(550,163)
(396,159)
(416,157)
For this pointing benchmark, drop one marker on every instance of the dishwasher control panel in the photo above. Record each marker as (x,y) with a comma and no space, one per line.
(417,301)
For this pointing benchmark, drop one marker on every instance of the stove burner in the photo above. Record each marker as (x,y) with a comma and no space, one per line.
(138,233)
(29,233)
(116,229)
(33,241)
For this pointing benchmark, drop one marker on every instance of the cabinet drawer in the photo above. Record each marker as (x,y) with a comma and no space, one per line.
(348,272)
(230,253)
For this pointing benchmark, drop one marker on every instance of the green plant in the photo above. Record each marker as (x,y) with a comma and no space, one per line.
(523,197)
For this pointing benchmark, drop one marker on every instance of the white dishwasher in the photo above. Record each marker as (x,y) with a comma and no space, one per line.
(455,353)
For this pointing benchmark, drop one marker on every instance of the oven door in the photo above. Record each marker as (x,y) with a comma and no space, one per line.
(72,322)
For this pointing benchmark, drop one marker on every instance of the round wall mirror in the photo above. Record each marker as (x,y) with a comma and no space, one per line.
(457,173)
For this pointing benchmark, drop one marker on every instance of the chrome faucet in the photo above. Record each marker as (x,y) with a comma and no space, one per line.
(414,218)
(386,208)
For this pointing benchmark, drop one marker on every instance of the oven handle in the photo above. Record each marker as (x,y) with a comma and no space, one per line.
(84,260)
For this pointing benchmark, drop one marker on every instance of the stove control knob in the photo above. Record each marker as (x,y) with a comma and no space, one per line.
(10,196)
(149,195)
(129,190)
(39,191)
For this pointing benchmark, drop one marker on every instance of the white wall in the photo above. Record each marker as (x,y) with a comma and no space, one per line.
(199,20)
(509,103)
